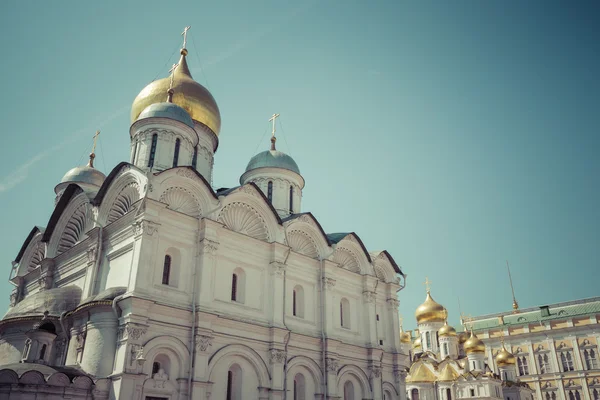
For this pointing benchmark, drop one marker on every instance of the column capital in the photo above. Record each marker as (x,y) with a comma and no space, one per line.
(277,356)
(329,283)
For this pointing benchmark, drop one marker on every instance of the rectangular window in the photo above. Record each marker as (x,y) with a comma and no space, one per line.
(380,342)
(472,392)
(234,287)
(377,317)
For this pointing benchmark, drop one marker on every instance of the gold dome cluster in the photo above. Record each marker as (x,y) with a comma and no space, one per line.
(405,337)
(430,311)
(474,345)
(446,330)
(187,93)
(504,358)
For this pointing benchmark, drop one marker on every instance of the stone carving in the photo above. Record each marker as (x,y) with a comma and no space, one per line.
(375,371)
(241,217)
(277,356)
(80,340)
(135,332)
(248,189)
(306,218)
(45,282)
(329,283)
(369,297)
(210,246)
(187,173)
(203,342)
(277,268)
(14,296)
(346,259)
(400,375)
(393,303)
(332,365)
(161,375)
(302,243)
(181,200)
(149,227)
(91,254)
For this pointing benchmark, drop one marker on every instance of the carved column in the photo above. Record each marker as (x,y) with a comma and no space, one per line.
(130,339)
(277,270)
(370,315)
(208,254)
(400,381)
(393,304)
(277,359)
(375,378)
(332,366)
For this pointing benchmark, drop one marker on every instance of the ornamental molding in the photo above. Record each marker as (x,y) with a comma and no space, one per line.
(375,371)
(203,342)
(249,189)
(277,182)
(400,374)
(329,283)
(277,356)
(277,268)
(332,365)
(45,282)
(369,297)
(144,226)
(131,331)
(208,246)
(91,254)
(393,303)
(182,200)
(302,243)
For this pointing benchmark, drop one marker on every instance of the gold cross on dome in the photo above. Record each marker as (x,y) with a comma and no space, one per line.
(272,119)
(184,34)
(95,138)
(427,284)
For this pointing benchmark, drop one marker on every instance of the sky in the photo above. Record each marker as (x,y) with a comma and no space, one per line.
(456,135)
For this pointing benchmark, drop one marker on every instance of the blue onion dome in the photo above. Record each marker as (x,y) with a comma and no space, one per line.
(273,159)
(167,110)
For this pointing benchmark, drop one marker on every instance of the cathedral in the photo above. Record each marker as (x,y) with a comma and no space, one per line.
(148,283)
(446,365)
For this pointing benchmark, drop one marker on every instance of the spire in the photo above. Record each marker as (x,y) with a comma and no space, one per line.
(93,154)
(273,138)
(182,66)
(427,284)
(515,304)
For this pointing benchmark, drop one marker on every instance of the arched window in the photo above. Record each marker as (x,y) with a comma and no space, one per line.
(571,396)
(596,394)
(577,395)
(345,313)
(153,150)
(348,391)
(166,270)
(414,394)
(26,349)
(446,349)
(43,352)
(234,383)
(155,367)
(176,154)
(547,395)
(238,279)
(448,394)
(569,362)
(553,395)
(195,157)
(525,366)
(298,302)
(291,199)
(299,387)
(428,340)
(270,191)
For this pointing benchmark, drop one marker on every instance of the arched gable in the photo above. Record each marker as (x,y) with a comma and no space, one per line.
(184,190)
(350,253)
(310,365)
(8,376)
(172,347)
(73,221)
(59,379)
(246,210)
(359,374)
(32,378)
(240,350)
(389,387)
(32,253)
(305,235)
(124,186)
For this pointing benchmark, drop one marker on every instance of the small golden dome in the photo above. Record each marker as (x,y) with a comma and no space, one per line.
(430,311)
(417,343)
(188,94)
(405,337)
(474,345)
(504,358)
(446,330)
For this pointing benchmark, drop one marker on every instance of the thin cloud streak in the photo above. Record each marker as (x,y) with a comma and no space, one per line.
(21,173)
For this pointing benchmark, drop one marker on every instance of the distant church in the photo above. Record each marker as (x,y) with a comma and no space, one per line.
(149,284)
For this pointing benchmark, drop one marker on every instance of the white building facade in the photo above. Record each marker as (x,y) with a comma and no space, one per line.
(148,284)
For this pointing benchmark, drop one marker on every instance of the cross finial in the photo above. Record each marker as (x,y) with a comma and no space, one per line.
(170,91)
(273,138)
(184,34)
(93,153)
(427,284)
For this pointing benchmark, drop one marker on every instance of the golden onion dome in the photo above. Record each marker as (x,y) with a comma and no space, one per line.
(430,311)
(446,330)
(504,358)
(474,345)
(417,343)
(405,337)
(187,93)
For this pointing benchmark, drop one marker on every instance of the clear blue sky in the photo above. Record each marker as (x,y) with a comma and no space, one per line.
(456,135)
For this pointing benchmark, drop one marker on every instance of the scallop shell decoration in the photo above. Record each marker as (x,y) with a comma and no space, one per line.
(181,200)
(128,195)
(346,259)
(240,217)
(74,229)
(302,243)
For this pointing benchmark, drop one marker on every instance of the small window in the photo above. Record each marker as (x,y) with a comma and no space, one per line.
(176,154)
(234,280)
(153,150)
(291,199)
(377,317)
(229,385)
(270,191)
(43,352)
(448,394)
(298,301)
(155,367)
(234,383)
(299,387)
(472,392)
(166,270)
(238,284)
(428,340)
(345,313)
(348,391)
(380,342)
(414,394)
(195,157)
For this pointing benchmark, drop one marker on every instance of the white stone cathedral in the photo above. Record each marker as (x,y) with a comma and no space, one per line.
(149,284)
